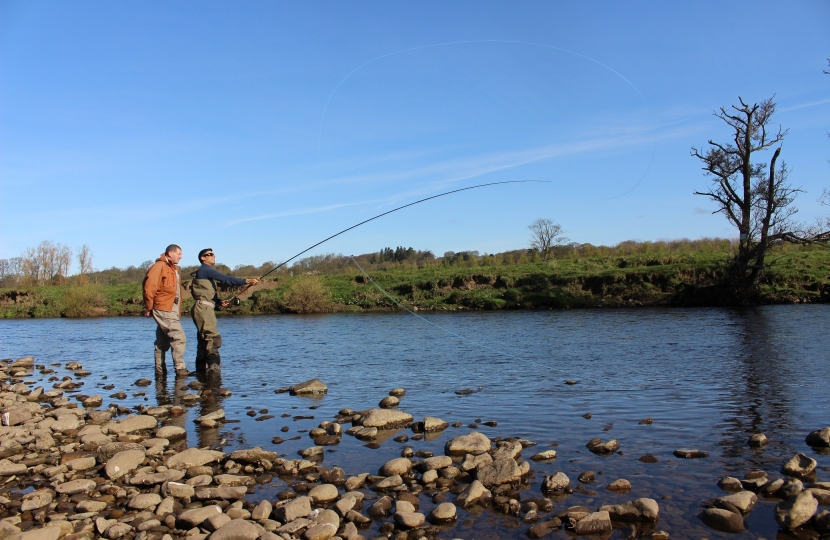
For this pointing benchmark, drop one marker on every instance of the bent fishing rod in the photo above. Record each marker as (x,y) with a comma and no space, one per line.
(235,298)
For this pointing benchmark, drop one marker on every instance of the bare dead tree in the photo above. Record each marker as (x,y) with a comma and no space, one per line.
(84,260)
(545,234)
(755,197)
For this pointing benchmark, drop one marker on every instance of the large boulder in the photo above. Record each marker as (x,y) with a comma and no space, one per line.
(722,520)
(800,466)
(132,424)
(123,462)
(314,386)
(819,438)
(474,443)
(501,471)
(637,510)
(386,419)
(193,457)
(253,455)
(796,511)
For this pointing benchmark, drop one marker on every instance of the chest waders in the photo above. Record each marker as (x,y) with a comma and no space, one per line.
(204,317)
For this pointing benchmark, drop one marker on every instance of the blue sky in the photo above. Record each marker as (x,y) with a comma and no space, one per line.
(260,128)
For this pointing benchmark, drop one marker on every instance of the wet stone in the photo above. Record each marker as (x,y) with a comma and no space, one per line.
(800,466)
(722,520)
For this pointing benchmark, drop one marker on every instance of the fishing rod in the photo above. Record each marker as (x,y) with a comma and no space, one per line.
(235,298)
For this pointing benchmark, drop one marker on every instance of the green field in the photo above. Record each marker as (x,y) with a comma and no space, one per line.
(793,275)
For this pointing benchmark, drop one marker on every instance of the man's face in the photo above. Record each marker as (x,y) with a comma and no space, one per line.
(175,256)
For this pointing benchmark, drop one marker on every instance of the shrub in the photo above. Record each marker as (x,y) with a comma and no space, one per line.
(84,301)
(307,295)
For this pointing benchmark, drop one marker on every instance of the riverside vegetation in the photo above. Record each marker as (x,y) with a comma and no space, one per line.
(630,274)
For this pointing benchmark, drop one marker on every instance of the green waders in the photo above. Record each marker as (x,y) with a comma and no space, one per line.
(208,339)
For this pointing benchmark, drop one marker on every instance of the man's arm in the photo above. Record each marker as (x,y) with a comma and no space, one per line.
(151,286)
(230,281)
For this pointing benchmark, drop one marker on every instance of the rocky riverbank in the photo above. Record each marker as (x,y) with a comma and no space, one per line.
(71,467)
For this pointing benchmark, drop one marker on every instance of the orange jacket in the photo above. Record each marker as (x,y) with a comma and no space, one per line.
(160,285)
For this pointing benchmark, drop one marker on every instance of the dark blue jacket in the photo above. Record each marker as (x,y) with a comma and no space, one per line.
(208,272)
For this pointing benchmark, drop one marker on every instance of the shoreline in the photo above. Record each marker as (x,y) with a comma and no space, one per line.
(85,470)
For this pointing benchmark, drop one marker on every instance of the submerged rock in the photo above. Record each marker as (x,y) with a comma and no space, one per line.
(722,520)
(314,386)
(819,438)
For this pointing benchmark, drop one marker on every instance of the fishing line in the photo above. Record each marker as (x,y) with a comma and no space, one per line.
(503,41)
(459,336)
(235,296)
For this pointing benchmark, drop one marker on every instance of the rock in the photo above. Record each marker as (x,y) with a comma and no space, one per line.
(410,520)
(473,494)
(472,462)
(586,477)
(796,511)
(314,386)
(757,440)
(16,416)
(690,454)
(822,522)
(730,483)
(501,471)
(637,510)
(368,433)
(598,447)
(507,449)
(295,508)
(544,528)
(593,523)
(222,492)
(7,468)
(179,491)
(320,531)
(144,501)
(131,424)
(474,443)
(262,511)
(93,401)
(123,462)
(36,499)
(821,495)
(443,513)
(193,457)
(28,362)
(771,488)
(149,479)
(799,466)
(389,402)
(323,493)
(143,382)
(75,486)
(386,419)
(436,463)
(744,501)
(214,523)
(544,456)
(253,455)
(91,506)
(10,448)
(106,451)
(217,416)
(82,464)
(790,487)
(397,392)
(236,529)
(170,432)
(117,531)
(819,438)
(195,516)
(556,482)
(356,482)
(722,520)
(621,485)
(388,483)
(433,424)
(399,466)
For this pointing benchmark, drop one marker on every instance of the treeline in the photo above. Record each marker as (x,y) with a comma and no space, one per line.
(50,263)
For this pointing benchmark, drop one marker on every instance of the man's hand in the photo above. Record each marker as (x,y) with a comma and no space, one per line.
(147,313)
(226,303)
(252,281)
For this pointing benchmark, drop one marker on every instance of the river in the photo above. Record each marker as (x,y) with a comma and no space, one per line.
(709,378)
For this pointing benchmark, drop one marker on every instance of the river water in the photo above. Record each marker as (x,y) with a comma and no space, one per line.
(709,378)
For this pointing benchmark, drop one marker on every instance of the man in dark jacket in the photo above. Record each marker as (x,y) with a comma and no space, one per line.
(205,291)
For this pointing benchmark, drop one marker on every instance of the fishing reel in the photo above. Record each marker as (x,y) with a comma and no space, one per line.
(236,301)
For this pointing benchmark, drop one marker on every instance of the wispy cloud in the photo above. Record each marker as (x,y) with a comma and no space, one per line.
(297,212)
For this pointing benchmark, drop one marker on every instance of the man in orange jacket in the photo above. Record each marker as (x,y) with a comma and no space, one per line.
(162,301)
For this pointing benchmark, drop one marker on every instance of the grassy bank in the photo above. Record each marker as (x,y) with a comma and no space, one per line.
(637,280)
